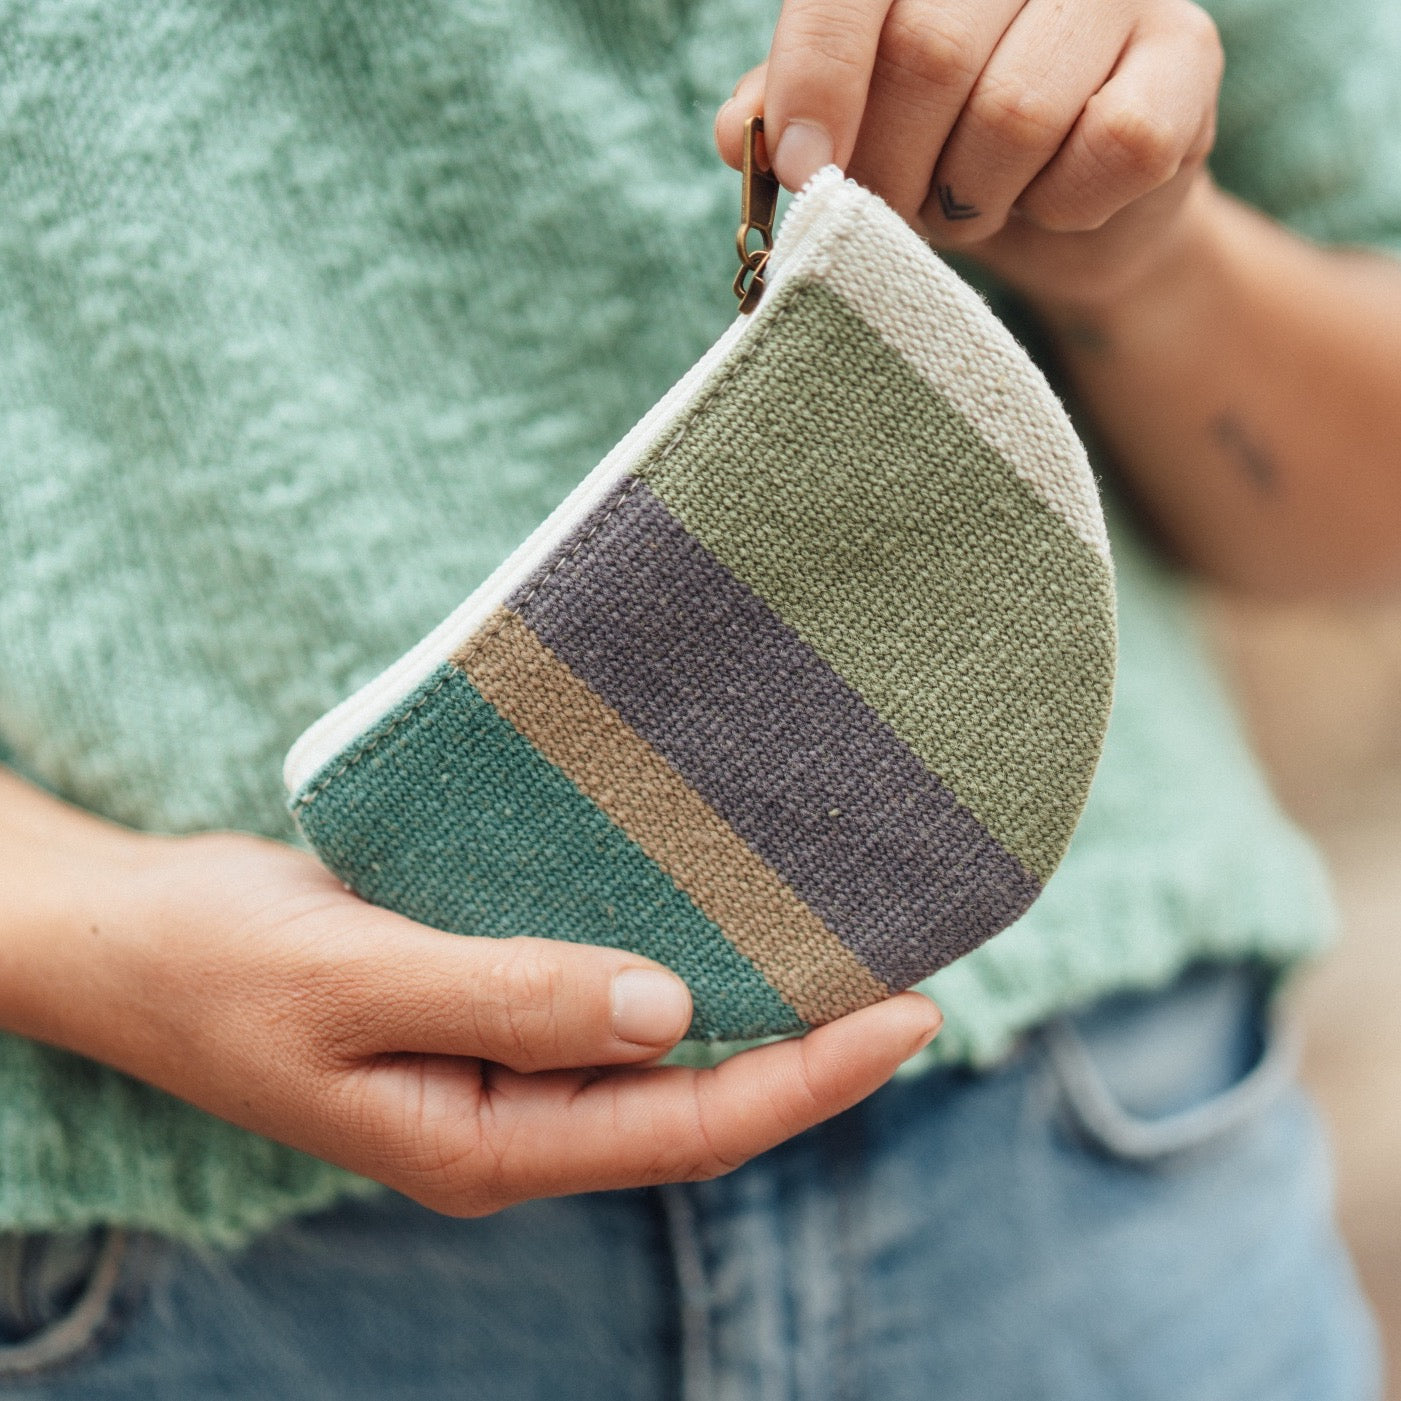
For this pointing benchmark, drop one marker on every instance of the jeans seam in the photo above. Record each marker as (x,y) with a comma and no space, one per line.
(1100,1116)
(693,1291)
(14,1255)
(68,1337)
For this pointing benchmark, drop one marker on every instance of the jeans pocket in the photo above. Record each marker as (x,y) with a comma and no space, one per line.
(1144,1078)
(58,1292)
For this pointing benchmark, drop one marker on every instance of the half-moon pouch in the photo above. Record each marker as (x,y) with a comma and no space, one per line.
(799,692)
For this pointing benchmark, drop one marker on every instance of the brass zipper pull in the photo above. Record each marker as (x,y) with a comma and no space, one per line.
(757,209)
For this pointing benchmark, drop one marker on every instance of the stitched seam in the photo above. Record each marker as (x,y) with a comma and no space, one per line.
(77,1332)
(476,642)
(480,639)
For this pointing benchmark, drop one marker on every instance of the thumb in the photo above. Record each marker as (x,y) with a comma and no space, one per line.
(530,1004)
(819,71)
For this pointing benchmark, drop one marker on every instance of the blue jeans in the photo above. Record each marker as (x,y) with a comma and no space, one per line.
(1135,1206)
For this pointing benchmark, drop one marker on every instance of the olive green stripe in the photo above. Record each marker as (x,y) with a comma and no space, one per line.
(584,737)
(838,484)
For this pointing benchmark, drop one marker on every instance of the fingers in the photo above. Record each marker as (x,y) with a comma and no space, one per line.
(818,72)
(530,1004)
(482,1146)
(929,57)
(647,1127)
(1153,116)
(1044,69)
(307,1016)
(959,112)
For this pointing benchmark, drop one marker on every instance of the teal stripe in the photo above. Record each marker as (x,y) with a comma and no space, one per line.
(449,815)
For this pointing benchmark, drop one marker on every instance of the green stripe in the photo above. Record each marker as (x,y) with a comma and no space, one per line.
(831,478)
(450,816)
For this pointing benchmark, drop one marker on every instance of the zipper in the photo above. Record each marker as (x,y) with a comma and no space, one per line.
(758,208)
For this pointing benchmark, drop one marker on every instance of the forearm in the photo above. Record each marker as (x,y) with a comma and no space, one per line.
(63,874)
(1250,391)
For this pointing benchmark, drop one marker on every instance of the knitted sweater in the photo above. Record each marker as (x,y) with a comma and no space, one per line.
(310,313)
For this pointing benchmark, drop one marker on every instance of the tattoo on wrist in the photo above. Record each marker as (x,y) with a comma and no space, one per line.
(952,209)
(1249,454)
(1085,336)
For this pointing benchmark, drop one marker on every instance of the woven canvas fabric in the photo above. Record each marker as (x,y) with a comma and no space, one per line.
(804,697)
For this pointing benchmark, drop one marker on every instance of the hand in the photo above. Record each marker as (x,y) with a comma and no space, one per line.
(1059,142)
(240,975)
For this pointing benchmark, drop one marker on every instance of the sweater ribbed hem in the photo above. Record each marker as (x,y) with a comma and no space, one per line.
(1145,936)
(1129,930)
(83,1145)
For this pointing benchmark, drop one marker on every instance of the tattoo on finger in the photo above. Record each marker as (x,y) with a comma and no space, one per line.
(952,209)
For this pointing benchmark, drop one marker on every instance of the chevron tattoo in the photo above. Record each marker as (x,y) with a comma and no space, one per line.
(952,208)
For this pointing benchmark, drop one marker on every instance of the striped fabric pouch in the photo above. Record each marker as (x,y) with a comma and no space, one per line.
(799,692)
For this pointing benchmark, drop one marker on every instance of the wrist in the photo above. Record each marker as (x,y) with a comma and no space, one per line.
(69,901)
(1154,285)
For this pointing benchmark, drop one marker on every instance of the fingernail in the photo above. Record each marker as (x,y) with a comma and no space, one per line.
(927,1036)
(924,1040)
(650,1008)
(803,149)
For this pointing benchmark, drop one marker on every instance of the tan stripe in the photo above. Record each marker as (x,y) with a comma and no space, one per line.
(607,760)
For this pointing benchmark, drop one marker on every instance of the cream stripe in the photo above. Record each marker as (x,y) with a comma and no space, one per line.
(938,324)
(637,789)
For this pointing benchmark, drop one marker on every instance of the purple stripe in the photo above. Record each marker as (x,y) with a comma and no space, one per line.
(780,745)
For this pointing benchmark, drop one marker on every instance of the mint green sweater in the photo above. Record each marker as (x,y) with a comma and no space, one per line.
(309,314)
